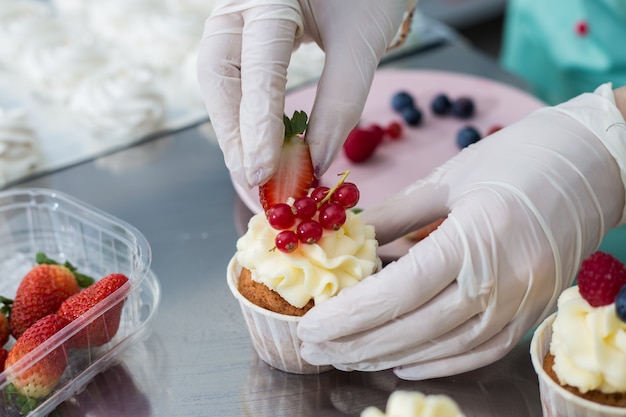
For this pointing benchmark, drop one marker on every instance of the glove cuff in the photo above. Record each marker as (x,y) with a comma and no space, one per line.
(598,112)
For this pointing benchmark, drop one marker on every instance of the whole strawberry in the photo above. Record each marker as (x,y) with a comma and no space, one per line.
(38,380)
(3,358)
(104,327)
(5,331)
(42,290)
(600,278)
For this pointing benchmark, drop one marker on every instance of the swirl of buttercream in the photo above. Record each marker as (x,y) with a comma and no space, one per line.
(316,271)
(589,345)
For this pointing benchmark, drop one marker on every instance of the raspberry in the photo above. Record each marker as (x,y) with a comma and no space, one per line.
(361,144)
(600,278)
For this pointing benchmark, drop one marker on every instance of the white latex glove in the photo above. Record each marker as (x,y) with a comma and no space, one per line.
(242,69)
(524,207)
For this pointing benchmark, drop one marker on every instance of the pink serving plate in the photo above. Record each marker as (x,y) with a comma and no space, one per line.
(397,164)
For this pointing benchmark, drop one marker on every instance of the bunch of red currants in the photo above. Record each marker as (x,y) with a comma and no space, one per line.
(305,220)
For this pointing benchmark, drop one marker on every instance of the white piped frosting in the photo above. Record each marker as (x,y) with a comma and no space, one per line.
(316,271)
(416,404)
(589,345)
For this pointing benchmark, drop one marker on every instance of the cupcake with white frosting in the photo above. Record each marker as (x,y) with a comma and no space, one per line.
(579,352)
(276,284)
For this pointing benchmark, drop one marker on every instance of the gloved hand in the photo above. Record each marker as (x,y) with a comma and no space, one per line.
(524,207)
(242,69)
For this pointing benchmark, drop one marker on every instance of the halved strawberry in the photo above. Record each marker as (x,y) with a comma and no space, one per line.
(295,173)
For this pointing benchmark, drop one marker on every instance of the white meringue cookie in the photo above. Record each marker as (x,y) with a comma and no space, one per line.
(19,147)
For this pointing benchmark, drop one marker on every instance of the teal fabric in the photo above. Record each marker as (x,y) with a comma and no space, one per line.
(541,45)
(615,243)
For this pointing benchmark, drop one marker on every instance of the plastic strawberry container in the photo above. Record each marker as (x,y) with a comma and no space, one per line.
(65,229)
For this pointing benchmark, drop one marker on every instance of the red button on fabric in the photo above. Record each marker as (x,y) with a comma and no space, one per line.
(582,28)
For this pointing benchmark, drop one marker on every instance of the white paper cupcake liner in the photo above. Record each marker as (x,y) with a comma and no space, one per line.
(556,401)
(273,335)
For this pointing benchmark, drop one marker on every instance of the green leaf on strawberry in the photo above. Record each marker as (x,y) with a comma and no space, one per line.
(296,125)
(83,280)
(294,175)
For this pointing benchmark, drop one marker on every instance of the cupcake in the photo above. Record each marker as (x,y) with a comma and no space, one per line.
(416,404)
(306,246)
(579,353)
(276,288)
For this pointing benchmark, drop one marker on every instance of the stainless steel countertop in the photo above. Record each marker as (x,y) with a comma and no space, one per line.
(198,360)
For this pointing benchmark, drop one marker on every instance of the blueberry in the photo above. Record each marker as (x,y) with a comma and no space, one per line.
(412,116)
(620,303)
(441,105)
(402,100)
(466,136)
(463,107)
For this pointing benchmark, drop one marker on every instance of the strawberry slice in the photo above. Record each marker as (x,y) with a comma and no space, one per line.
(295,173)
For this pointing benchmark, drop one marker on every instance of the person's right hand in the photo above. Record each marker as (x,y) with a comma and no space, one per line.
(242,69)
(524,207)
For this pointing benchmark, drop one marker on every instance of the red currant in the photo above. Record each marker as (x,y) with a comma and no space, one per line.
(394,130)
(280,216)
(304,208)
(319,193)
(286,241)
(309,231)
(347,194)
(493,129)
(332,216)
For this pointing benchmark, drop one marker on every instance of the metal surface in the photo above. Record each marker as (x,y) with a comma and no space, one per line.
(198,360)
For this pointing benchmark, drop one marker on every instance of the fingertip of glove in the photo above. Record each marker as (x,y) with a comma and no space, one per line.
(411,373)
(321,157)
(239,177)
(313,355)
(258,177)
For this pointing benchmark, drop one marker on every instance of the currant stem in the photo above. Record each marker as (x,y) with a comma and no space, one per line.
(344,175)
